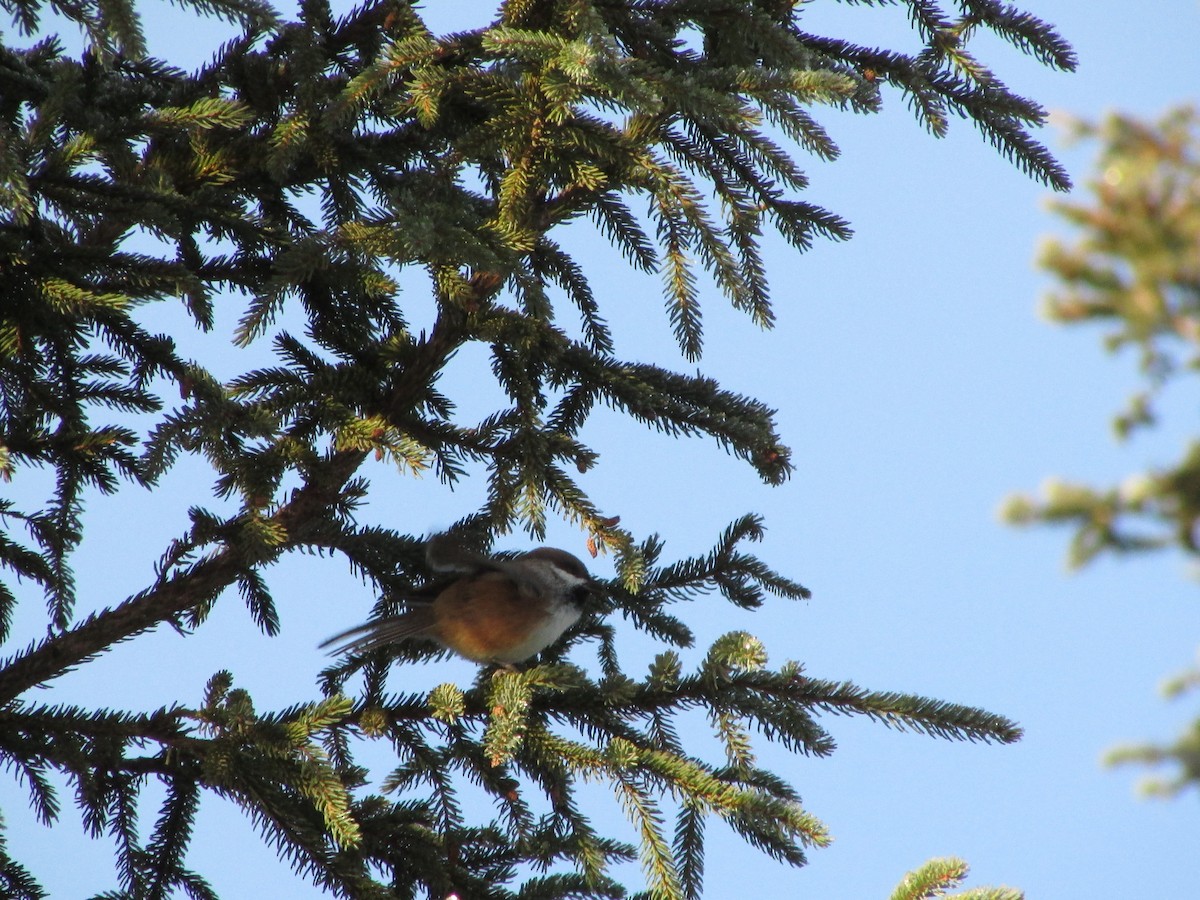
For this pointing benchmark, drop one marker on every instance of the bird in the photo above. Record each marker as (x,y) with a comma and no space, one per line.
(489,610)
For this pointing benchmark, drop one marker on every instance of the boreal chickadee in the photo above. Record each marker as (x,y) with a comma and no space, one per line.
(489,610)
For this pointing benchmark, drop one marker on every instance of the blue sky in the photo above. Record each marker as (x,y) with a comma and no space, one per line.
(917,387)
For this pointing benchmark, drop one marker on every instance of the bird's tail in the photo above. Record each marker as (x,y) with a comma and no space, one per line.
(370,636)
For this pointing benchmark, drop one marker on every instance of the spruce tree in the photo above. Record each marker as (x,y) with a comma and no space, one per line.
(1133,267)
(300,174)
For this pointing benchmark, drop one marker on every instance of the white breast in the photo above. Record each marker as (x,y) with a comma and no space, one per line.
(550,630)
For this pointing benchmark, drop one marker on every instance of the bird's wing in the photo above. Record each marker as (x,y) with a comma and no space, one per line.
(445,554)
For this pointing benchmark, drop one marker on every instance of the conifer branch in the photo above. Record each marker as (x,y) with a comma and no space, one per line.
(304,172)
(201,582)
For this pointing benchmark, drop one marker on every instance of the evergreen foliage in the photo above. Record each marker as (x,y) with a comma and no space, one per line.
(938,875)
(299,173)
(1135,268)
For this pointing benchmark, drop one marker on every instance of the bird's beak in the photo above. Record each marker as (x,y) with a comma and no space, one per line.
(594,596)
